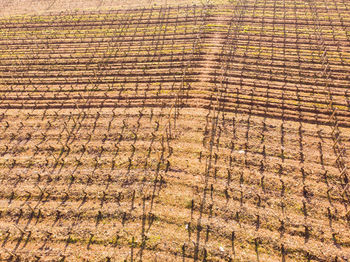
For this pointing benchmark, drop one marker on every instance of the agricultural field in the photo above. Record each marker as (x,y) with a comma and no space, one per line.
(175,130)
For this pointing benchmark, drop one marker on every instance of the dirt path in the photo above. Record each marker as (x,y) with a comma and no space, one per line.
(214,45)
